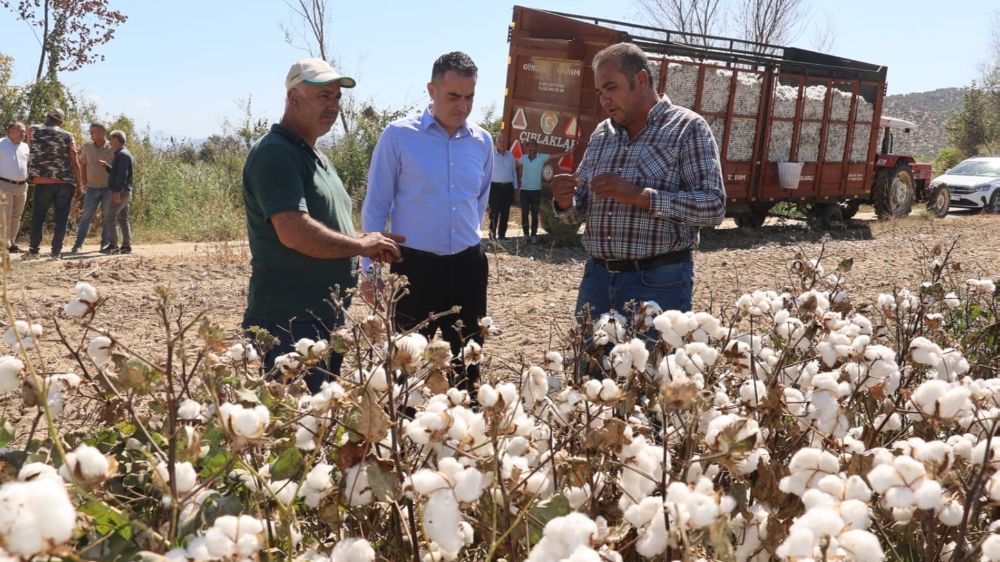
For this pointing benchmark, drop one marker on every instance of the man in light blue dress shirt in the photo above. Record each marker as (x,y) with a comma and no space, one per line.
(430,181)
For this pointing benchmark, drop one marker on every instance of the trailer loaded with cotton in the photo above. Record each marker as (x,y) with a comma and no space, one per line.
(791,125)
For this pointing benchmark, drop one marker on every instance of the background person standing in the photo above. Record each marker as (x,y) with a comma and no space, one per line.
(120,172)
(54,170)
(95,177)
(502,186)
(531,166)
(13,183)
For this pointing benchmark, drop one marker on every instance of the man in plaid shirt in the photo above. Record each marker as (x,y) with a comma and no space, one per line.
(649,180)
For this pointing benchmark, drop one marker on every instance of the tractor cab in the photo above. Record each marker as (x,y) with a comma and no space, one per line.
(888,124)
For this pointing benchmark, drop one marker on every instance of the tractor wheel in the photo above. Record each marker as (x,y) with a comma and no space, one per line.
(939,200)
(994,205)
(824,216)
(756,218)
(893,193)
(849,208)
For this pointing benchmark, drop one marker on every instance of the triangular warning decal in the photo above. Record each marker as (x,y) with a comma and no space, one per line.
(571,131)
(519,121)
(516,150)
(566,162)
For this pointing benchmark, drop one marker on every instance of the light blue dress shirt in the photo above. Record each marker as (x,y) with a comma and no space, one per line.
(504,168)
(433,188)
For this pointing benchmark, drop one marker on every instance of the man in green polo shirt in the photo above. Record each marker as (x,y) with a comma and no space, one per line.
(299,221)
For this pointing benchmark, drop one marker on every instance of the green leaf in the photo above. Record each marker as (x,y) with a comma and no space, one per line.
(106,520)
(383,483)
(846,265)
(247,396)
(545,511)
(6,433)
(288,465)
(213,462)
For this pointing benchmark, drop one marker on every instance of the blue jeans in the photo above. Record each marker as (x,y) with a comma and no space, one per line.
(95,197)
(58,195)
(668,285)
(290,332)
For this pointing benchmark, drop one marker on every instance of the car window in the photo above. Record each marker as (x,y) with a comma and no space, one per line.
(988,168)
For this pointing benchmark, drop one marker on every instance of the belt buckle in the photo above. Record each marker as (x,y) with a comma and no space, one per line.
(614,266)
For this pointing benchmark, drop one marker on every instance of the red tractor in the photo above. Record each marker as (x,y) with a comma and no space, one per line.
(899,180)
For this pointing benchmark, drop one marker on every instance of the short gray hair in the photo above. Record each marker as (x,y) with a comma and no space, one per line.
(118,134)
(630,60)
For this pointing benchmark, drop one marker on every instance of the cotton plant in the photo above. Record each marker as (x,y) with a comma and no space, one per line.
(84,303)
(23,336)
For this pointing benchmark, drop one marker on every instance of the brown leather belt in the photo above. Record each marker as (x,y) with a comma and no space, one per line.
(15,182)
(621,266)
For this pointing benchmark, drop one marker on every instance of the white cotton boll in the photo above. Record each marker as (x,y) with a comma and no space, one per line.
(353,550)
(554,361)
(991,548)
(753,392)
(900,496)
(86,292)
(831,485)
(703,510)
(472,353)
(984,286)
(910,469)
(592,388)
(409,350)
(356,485)
(534,384)
(469,485)
(952,301)
(100,349)
(76,309)
(798,544)
(85,465)
(28,333)
(822,521)
(10,373)
(952,513)
(318,483)
(861,546)
(441,522)
(426,482)
(487,396)
(36,471)
(189,410)
(246,423)
(562,536)
(34,517)
(855,514)
(185,475)
(283,490)
(508,392)
(653,540)
(884,477)
(929,495)
(856,489)
(609,391)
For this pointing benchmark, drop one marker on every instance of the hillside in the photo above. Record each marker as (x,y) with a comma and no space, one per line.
(929,110)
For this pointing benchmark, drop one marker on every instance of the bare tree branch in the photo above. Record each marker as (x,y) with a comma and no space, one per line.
(775,22)
(704,17)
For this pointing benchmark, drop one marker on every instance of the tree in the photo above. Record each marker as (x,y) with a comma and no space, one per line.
(311,37)
(70,30)
(774,22)
(690,16)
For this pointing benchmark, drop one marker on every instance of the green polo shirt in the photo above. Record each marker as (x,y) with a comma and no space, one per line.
(283,173)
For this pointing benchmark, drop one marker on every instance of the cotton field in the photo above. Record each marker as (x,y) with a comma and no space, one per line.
(794,425)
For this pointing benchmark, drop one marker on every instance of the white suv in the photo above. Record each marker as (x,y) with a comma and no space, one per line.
(974,184)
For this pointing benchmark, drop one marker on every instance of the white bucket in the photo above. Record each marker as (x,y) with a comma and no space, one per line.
(789,174)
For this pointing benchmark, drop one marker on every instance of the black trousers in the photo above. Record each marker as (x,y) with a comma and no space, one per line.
(58,195)
(529,209)
(501,198)
(436,284)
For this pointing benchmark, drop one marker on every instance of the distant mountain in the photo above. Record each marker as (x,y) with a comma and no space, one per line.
(929,110)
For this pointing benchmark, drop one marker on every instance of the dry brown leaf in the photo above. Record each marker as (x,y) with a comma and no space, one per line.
(373,423)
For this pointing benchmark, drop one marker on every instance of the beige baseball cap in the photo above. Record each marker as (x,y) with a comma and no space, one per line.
(315,72)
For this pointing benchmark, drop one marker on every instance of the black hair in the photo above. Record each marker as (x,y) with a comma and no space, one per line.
(455,61)
(630,59)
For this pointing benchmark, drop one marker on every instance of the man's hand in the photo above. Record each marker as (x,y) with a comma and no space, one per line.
(381,247)
(116,197)
(103,162)
(563,189)
(612,186)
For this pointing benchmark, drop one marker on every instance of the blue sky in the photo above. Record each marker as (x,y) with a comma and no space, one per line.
(179,67)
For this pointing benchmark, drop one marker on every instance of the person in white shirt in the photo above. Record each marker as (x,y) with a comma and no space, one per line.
(13,183)
(502,187)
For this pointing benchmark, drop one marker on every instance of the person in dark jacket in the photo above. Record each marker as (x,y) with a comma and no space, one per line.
(54,171)
(120,184)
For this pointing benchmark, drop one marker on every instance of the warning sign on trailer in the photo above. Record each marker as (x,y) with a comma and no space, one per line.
(519,121)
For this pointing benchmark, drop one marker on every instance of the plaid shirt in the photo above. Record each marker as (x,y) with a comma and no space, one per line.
(675,154)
